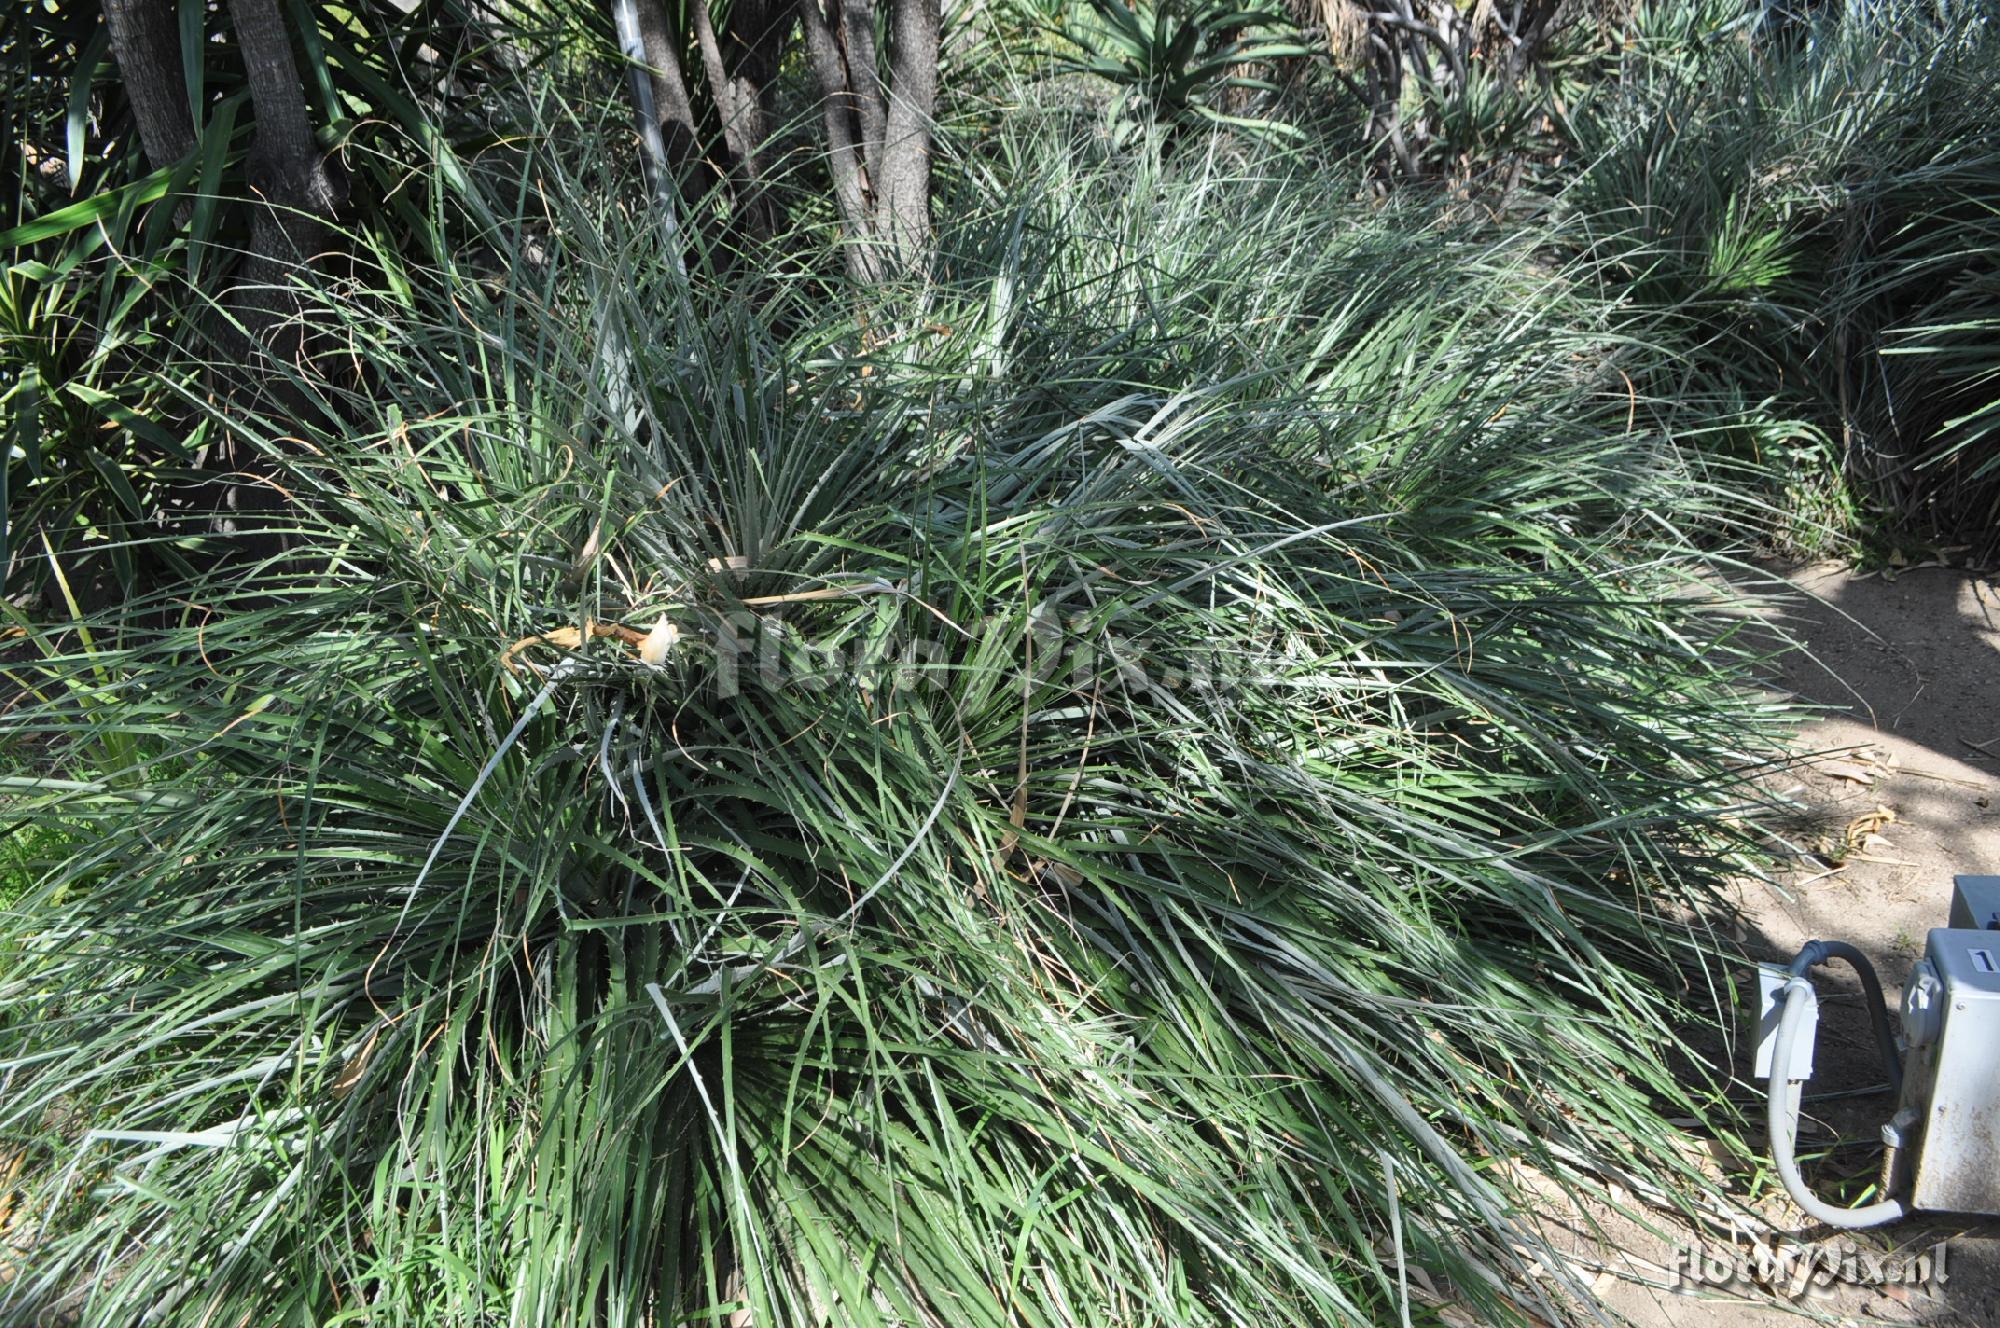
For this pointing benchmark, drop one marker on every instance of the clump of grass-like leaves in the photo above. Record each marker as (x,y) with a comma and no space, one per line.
(1170,765)
(1810,216)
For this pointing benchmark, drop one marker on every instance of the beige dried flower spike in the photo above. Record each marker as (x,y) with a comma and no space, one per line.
(653,649)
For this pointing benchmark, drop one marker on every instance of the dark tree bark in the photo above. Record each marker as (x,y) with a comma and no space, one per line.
(843,116)
(739,64)
(649,81)
(742,66)
(298,189)
(671,105)
(878,132)
(146,43)
(905,173)
(739,107)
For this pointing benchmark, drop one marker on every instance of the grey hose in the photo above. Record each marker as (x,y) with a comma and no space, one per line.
(1782,1117)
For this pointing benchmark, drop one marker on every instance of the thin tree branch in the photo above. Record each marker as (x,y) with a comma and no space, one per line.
(632,42)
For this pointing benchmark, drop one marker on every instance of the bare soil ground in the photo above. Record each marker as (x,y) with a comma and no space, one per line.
(1899,791)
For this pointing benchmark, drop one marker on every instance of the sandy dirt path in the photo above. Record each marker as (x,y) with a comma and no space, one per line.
(1900,792)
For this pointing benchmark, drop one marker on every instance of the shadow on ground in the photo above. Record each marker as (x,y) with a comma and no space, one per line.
(1899,792)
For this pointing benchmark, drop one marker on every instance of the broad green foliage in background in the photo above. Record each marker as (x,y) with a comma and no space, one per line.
(1180,64)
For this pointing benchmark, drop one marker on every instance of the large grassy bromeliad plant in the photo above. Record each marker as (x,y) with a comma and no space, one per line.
(1141,792)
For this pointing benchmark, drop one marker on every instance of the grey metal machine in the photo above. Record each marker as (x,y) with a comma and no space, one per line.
(1942,1149)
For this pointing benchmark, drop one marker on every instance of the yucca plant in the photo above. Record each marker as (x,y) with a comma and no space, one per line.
(1182,63)
(1133,793)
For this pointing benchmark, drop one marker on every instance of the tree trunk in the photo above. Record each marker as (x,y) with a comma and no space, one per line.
(906,147)
(693,174)
(297,187)
(146,43)
(878,134)
(296,192)
(741,112)
(739,64)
